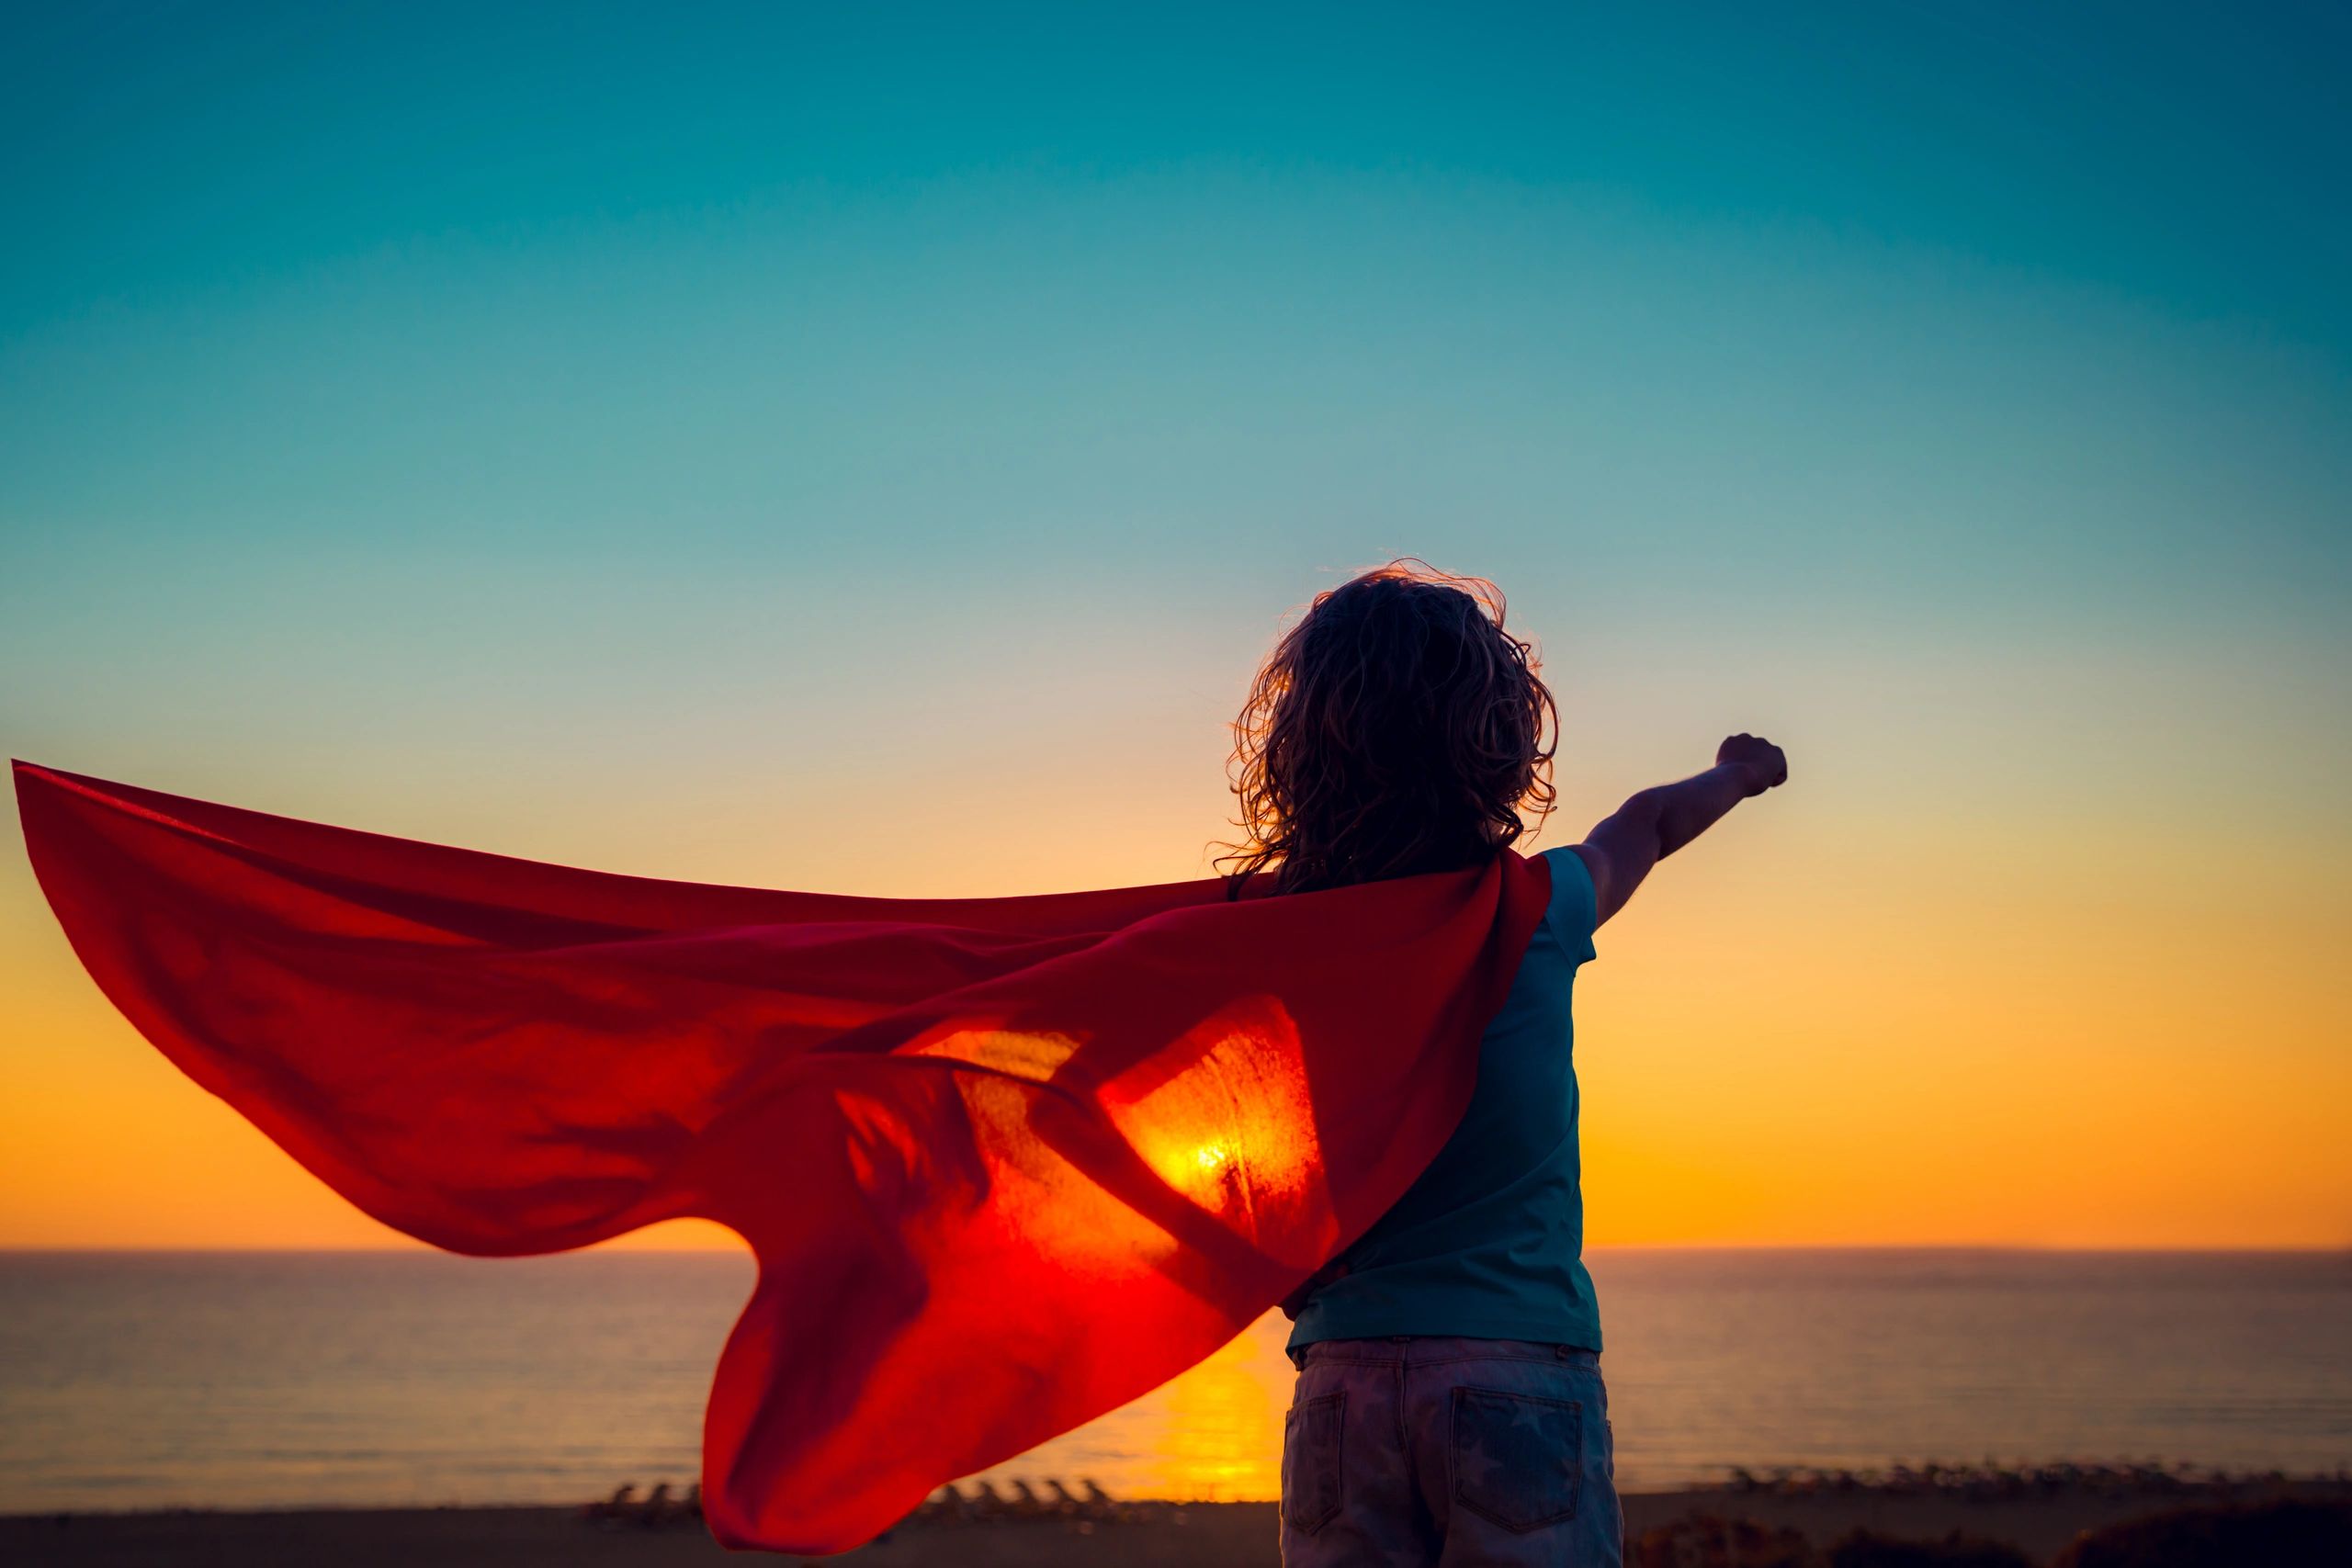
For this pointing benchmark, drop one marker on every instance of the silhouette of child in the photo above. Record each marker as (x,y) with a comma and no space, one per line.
(1449,1406)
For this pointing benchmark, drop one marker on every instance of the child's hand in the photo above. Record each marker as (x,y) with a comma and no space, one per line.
(1763,762)
(1655,822)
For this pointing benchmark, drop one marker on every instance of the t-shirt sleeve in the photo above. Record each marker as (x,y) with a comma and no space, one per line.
(1575,909)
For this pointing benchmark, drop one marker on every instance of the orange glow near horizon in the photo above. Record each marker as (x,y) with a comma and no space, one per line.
(799,456)
(1965,1038)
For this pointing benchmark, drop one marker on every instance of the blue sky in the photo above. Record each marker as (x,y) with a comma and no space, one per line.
(764,360)
(868,447)
(347,352)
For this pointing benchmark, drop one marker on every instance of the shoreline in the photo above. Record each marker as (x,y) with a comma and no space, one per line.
(1141,1534)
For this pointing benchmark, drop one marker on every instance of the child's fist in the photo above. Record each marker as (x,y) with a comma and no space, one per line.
(1763,762)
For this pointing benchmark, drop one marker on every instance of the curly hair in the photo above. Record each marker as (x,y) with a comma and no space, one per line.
(1396,729)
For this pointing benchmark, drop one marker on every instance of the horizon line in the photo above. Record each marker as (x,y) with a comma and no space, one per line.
(420,1249)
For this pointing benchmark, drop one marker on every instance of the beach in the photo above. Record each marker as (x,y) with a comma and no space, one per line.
(1142,1535)
(269,1380)
(318,1405)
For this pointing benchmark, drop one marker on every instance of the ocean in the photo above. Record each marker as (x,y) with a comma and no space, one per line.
(165,1380)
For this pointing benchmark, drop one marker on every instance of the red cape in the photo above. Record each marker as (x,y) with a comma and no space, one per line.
(1006,1163)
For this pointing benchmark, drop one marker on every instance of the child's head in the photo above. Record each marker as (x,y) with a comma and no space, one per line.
(1397,728)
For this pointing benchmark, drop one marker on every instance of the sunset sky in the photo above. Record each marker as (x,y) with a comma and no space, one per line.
(870,452)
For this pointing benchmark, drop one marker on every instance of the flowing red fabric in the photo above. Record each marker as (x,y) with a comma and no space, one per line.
(1005,1163)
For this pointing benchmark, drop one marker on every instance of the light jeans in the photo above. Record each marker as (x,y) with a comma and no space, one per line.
(1449,1451)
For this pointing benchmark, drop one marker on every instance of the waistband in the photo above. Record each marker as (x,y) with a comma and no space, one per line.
(1429,1349)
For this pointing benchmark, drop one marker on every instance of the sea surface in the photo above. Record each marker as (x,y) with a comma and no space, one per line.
(161,1380)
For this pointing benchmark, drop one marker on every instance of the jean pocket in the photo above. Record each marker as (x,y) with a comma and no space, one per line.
(1311,1463)
(1518,1458)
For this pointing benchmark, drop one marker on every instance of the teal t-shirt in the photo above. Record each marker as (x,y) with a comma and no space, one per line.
(1487,1244)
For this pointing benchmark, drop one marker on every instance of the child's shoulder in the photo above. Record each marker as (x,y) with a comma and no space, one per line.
(1566,863)
(1575,909)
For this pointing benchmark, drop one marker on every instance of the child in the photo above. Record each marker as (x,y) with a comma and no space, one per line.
(1449,1406)
(925,1116)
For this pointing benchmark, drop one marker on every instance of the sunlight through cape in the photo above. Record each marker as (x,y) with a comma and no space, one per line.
(1006,1164)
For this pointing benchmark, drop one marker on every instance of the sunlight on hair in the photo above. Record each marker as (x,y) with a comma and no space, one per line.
(1397,728)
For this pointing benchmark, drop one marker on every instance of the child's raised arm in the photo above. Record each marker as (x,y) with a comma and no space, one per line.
(1659,820)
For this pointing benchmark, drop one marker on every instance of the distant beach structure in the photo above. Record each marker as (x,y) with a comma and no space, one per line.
(134,1380)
